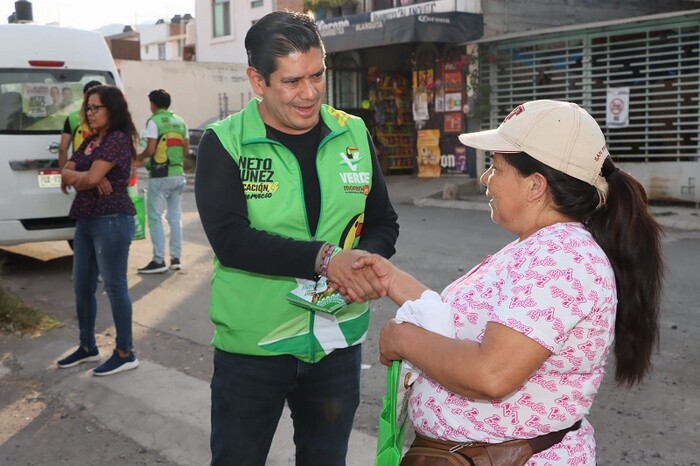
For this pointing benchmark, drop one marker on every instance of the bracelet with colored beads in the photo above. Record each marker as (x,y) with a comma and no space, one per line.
(327,260)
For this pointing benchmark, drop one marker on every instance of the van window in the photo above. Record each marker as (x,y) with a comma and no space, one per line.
(39,100)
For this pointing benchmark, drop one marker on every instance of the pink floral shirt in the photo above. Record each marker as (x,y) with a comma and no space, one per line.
(558,288)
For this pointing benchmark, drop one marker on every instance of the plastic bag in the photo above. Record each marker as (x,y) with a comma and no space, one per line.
(140,217)
(392,420)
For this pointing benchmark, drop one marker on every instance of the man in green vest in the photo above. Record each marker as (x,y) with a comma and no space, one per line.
(290,193)
(166,146)
(74,129)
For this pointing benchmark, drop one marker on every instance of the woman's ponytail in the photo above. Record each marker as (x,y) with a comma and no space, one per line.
(631,238)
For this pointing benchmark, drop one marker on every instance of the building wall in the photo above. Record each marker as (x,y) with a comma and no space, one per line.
(124,48)
(292,5)
(507,16)
(231,49)
(153,33)
(150,37)
(197,89)
(654,61)
(166,35)
(666,181)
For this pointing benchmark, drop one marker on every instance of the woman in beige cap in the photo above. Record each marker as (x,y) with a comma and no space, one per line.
(533,323)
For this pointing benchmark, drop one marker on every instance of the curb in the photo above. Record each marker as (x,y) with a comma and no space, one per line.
(452,204)
(679,218)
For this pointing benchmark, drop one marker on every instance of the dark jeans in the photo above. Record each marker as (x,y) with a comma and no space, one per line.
(248,394)
(101,245)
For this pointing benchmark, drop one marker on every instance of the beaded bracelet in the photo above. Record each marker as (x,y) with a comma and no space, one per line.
(327,260)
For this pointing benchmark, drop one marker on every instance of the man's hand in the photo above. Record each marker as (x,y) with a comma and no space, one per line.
(358,285)
(148,151)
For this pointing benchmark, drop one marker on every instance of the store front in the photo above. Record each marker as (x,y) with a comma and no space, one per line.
(378,68)
(441,85)
(639,78)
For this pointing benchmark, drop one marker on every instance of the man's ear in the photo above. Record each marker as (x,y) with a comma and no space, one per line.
(257,82)
(538,187)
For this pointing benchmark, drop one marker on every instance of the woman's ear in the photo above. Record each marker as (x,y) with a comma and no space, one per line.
(538,187)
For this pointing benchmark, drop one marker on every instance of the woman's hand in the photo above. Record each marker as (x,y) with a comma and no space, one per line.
(70,177)
(67,176)
(104,187)
(84,180)
(381,268)
(398,285)
(390,341)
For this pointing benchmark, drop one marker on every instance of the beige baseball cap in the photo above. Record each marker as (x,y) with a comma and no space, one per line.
(561,135)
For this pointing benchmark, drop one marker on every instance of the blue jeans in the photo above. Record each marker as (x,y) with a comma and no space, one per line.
(248,395)
(165,194)
(101,245)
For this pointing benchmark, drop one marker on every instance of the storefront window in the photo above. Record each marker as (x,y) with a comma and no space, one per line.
(390,97)
(440,109)
(347,83)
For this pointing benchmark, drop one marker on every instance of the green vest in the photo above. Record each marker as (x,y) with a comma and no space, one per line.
(250,311)
(78,130)
(170,148)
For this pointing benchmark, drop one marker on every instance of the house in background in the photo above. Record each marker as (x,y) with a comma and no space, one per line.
(169,40)
(172,41)
(223,24)
(162,55)
(126,45)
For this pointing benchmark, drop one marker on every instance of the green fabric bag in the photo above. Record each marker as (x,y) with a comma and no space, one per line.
(140,217)
(392,420)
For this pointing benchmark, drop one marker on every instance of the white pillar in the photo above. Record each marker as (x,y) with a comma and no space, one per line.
(480,169)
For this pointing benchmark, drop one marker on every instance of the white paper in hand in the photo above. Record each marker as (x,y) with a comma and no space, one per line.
(430,313)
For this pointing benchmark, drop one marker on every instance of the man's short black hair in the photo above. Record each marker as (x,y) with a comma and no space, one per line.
(90,85)
(160,98)
(279,34)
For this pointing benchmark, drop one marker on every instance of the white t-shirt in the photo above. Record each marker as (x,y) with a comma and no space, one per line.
(152,130)
(558,288)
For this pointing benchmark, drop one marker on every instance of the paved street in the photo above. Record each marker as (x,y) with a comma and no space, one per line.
(158,414)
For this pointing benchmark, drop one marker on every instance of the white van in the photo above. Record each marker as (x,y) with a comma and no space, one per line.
(42,73)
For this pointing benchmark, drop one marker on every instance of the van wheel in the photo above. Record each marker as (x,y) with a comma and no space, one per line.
(70,243)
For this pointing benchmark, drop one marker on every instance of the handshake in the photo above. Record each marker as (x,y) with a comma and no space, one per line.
(360,276)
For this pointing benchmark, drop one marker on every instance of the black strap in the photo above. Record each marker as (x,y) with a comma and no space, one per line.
(546,441)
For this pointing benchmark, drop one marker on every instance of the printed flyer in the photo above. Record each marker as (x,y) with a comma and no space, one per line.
(317,296)
(428,153)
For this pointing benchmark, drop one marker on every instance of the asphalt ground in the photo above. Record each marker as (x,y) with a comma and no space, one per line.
(172,405)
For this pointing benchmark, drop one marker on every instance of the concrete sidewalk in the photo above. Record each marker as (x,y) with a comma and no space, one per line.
(172,409)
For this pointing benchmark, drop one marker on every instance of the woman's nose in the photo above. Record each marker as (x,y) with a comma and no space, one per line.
(484,178)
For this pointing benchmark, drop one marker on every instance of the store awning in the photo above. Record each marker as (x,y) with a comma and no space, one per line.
(363,30)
